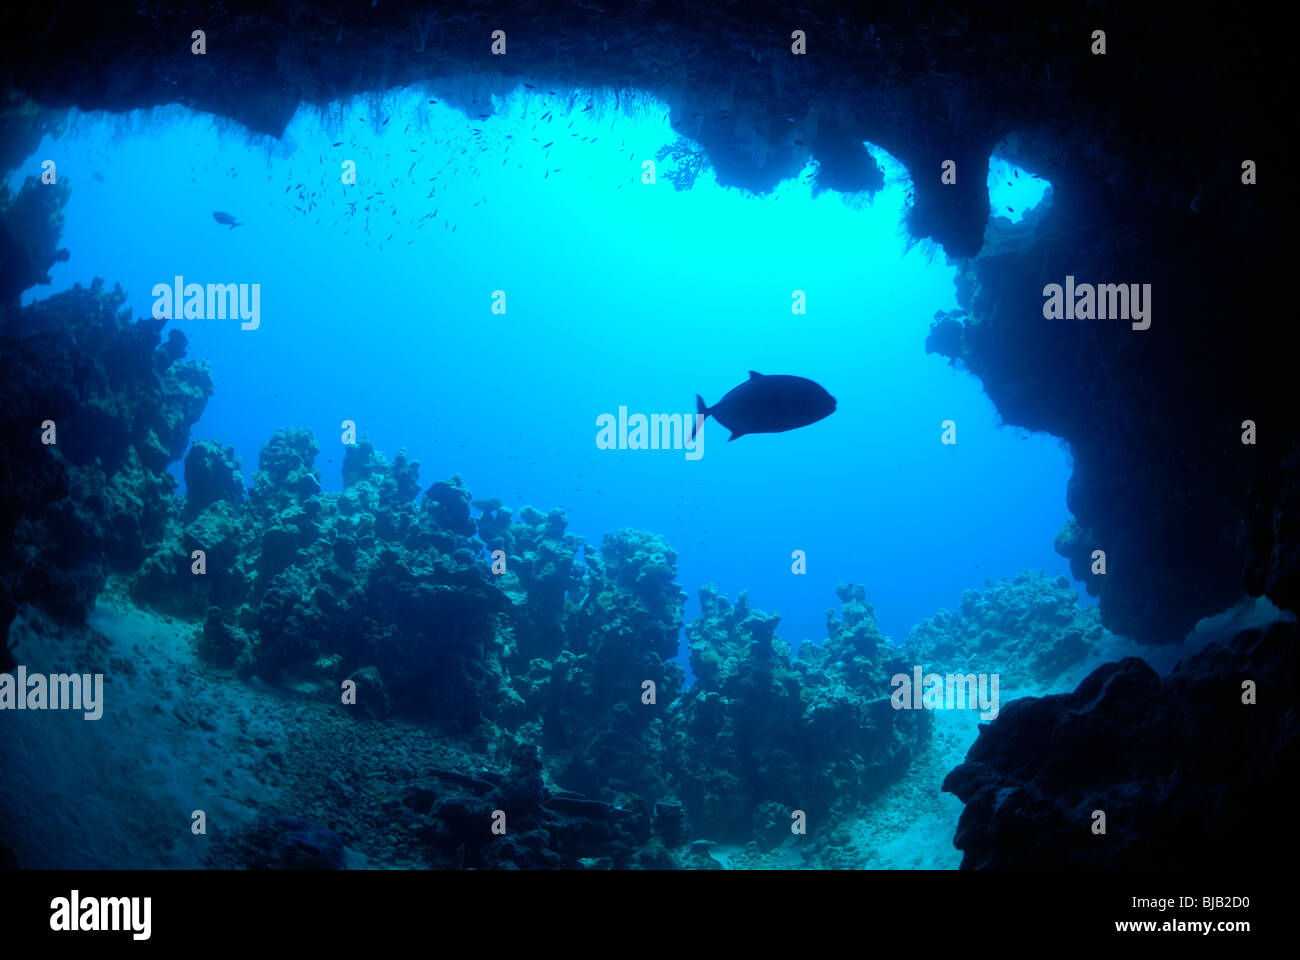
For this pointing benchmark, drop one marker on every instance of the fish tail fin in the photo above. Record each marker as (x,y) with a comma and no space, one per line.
(701,410)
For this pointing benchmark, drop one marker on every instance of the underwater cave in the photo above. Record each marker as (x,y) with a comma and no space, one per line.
(462,437)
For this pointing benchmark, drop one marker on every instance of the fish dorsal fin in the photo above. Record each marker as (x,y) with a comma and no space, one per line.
(754,374)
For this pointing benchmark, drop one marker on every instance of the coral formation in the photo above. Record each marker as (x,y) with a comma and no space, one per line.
(763,733)
(681,163)
(94,406)
(1030,629)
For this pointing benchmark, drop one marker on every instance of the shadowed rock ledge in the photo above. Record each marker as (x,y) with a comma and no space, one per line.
(1187,774)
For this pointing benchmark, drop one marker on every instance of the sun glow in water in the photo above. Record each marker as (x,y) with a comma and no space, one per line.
(1013,192)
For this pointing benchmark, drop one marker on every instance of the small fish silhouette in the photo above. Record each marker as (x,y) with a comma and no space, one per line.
(226,219)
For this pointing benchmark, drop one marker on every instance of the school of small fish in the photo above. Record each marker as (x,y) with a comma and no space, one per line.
(442,182)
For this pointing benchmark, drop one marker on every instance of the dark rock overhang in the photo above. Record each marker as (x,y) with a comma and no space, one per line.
(927,83)
(1143,146)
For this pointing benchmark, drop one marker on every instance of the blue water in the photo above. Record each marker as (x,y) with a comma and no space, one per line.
(617,293)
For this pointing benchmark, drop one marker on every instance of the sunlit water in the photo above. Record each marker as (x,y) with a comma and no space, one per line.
(376,306)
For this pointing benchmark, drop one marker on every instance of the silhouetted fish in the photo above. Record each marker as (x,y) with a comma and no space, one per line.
(227,219)
(768,405)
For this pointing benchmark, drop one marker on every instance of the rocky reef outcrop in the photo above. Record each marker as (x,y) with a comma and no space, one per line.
(620,633)
(517,638)
(1030,628)
(94,406)
(299,583)
(762,734)
(506,629)
(1131,770)
(116,405)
